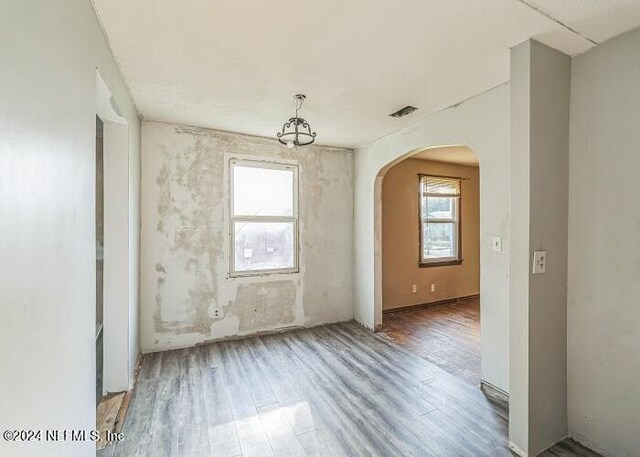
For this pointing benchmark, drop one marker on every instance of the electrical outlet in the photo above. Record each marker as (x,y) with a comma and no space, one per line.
(539,262)
(217,313)
(433,287)
(414,288)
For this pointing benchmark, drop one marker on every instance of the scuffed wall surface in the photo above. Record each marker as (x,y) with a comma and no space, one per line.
(185,243)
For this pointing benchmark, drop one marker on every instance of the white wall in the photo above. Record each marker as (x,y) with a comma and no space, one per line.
(540,83)
(520,82)
(49,52)
(482,123)
(116,257)
(604,248)
(185,241)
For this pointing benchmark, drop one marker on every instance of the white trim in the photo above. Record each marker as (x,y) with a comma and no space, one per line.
(517,450)
(586,443)
(117,266)
(492,391)
(264,164)
(455,220)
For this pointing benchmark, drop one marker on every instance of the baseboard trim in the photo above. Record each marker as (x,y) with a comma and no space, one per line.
(558,441)
(449,301)
(586,443)
(517,450)
(494,392)
(241,336)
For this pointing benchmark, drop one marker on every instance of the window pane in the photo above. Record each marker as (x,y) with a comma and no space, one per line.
(263,245)
(440,207)
(262,191)
(439,240)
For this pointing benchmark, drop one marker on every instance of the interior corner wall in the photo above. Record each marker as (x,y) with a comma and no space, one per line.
(49,53)
(482,123)
(185,240)
(540,82)
(604,248)
(401,234)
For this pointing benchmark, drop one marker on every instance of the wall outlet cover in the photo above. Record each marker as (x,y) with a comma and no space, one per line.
(539,262)
(496,244)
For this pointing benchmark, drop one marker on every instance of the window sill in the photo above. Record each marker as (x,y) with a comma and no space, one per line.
(261,273)
(444,263)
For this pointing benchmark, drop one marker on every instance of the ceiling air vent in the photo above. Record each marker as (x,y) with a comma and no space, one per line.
(404,111)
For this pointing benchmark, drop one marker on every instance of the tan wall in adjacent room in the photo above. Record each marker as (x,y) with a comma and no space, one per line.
(400,237)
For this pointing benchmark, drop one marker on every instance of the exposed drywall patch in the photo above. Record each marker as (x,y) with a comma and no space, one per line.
(188,192)
(265,305)
(324,184)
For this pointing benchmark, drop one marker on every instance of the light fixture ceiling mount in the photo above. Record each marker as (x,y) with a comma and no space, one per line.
(296,132)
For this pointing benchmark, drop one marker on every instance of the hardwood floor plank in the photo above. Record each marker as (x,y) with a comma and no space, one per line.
(331,410)
(151,365)
(299,410)
(281,436)
(252,437)
(337,390)
(446,335)
(385,416)
(221,428)
(256,381)
(569,448)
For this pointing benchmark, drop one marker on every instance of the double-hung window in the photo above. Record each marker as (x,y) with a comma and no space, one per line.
(440,237)
(264,217)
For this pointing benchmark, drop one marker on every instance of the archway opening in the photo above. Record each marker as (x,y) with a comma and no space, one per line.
(428,262)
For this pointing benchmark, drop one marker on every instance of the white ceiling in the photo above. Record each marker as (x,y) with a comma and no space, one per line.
(460,155)
(235,64)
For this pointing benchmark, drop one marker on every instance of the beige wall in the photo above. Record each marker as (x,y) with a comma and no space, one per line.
(400,237)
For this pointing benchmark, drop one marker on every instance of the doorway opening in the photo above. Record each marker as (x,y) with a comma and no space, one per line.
(114,300)
(430,258)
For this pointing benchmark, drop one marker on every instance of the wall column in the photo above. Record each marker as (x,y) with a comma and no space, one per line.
(540,87)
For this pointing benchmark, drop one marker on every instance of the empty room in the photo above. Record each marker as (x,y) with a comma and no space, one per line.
(320,228)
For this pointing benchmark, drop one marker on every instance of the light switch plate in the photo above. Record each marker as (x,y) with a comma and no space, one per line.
(539,262)
(496,244)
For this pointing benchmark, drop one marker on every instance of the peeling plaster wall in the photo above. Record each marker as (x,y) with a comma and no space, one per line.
(185,242)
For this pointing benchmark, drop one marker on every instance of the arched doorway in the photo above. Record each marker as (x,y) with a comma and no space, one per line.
(482,124)
(430,257)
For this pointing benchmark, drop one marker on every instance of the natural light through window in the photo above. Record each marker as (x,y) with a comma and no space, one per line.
(439,220)
(264,217)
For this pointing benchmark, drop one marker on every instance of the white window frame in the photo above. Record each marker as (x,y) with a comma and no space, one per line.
(425,219)
(233,219)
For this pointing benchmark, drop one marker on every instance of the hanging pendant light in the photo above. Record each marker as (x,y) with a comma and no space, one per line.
(296,132)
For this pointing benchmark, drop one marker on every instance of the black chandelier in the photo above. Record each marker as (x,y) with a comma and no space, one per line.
(296,132)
